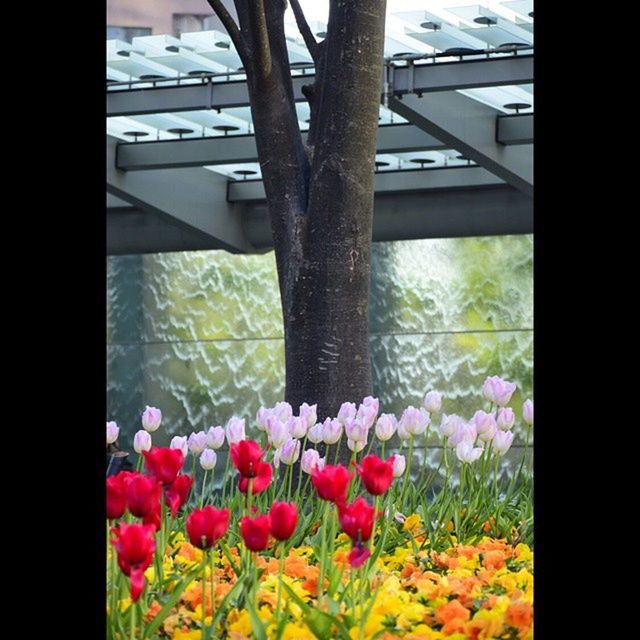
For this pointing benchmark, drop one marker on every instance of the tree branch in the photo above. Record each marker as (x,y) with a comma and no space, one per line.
(305,31)
(260,34)
(232,29)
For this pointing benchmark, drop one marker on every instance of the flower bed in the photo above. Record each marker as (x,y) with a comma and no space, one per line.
(314,558)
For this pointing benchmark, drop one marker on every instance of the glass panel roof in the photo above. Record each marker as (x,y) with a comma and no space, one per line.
(410,29)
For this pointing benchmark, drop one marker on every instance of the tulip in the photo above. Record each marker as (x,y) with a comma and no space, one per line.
(215,437)
(485,424)
(282,411)
(331,430)
(386,426)
(112,432)
(135,545)
(315,433)
(141,441)
(143,495)
(433,401)
(297,427)
(466,452)
(358,555)
(356,445)
(208,459)
(151,418)
(278,432)
(497,390)
(332,482)
(245,456)
(116,494)
(181,443)
(154,517)
(311,460)
(370,401)
(449,424)
(506,418)
(290,451)
(261,479)
(197,442)
(403,434)
(502,442)
(366,415)
(235,430)
(177,492)
(356,519)
(527,412)
(206,526)
(283,518)
(376,474)
(399,465)
(262,416)
(347,412)
(355,430)
(415,421)
(255,532)
(308,414)
(465,431)
(164,463)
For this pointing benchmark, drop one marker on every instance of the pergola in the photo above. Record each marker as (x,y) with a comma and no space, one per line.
(454,151)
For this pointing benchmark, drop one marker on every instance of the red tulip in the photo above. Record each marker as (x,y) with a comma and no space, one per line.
(154,517)
(176,494)
(143,495)
(332,482)
(261,480)
(358,555)
(246,456)
(255,532)
(284,518)
(164,463)
(116,494)
(376,474)
(357,519)
(135,544)
(206,526)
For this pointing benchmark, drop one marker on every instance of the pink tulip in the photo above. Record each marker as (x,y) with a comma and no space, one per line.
(316,433)
(290,451)
(506,418)
(399,465)
(497,390)
(235,430)
(277,431)
(112,432)
(415,421)
(485,424)
(502,442)
(297,427)
(180,442)
(142,441)
(331,430)
(282,411)
(355,430)
(261,418)
(215,437)
(151,418)
(386,426)
(347,411)
(466,452)
(433,401)
(527,411)
(311,460)
(309,414)
(197,442)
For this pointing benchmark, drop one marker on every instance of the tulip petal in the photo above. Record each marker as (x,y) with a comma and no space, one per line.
(358,556)
(137,583)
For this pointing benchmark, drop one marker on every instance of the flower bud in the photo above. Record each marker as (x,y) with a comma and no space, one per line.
(235,430)
(112,432)
(208,459)
(141,441)
(308,413)
(316,433)
(196,442)
(355,445)
(502,442)
(433,401)
(506,418)
(290,451)
(386,426)
(180,442)
(347,411)
(527,411)
(151,418)
(399,465)
(215,437)
(311,460)
(331,430)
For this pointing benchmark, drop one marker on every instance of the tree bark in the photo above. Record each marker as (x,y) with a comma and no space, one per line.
(320,196)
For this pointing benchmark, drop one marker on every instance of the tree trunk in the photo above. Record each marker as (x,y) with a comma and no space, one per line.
(320,196)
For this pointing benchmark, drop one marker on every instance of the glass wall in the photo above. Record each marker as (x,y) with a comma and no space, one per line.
(199,334)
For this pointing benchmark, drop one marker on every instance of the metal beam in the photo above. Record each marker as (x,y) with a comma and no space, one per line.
(131,230)
(167,154)
(438,76)
(485,211)
(192,198)
(470,127)
(391,182)
(515,129)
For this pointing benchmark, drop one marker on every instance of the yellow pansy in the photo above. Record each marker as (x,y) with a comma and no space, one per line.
(195,634)
(242,623)
(412,523)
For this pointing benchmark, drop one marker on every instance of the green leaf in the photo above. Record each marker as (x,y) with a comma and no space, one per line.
(221,609)
(170,603)
(257,626)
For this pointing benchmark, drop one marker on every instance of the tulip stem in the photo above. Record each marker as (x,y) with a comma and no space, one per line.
(290,475)
(407,474)
(304,446)
(203,604)
(213,588)
(382,449)
(323,553)
(133,621)
(280,572)
(204,484)
(226,475)
(335,456)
